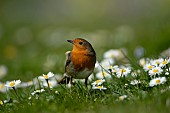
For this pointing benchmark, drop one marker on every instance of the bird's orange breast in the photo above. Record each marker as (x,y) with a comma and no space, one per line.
(82,60)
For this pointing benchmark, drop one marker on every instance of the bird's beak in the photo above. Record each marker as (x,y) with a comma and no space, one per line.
(71,41)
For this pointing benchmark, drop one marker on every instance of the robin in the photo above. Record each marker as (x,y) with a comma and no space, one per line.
(80,62)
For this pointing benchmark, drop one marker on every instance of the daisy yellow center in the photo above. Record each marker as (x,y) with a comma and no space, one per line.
(150,67)
(110,67)
(97,81)
(155,70)
(123,70)
(12,84)
(164,62)
(104,73)
(99,87)
(157,81)
(45,76)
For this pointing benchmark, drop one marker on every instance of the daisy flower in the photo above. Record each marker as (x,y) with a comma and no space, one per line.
(136,73)
(166,73)
(135,82)
(26,84)
(56,92)
(99,87)
(148,67)
(3,71)
(121,98)
(46,77)
(114,69)
(2,88)
(157,62)
(98,82)
(142,62)
(1,102)
(51,83)
(13,84)
(116,54)
(155,71)
(164,62)
(123,72)
(37,91)
(102,75)
(105,63)
(157,81)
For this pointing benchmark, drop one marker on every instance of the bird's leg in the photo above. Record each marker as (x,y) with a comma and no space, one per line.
(86,80)
(71,83)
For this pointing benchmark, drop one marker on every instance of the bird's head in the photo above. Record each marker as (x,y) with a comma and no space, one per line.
(80,44)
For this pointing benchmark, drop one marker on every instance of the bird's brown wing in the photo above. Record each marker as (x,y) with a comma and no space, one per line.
(68,59)
(66,78)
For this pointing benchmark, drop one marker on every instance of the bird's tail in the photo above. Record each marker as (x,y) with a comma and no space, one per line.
(64,80)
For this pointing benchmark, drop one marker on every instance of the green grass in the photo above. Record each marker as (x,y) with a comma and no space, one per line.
(148,100)
(140,97)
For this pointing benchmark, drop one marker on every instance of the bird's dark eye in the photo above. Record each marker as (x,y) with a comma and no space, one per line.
(80,43)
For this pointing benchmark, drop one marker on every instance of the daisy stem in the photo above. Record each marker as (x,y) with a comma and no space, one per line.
(168,67)
(121,73)
(15,92)
(48,86)
(39,83)
(110,70)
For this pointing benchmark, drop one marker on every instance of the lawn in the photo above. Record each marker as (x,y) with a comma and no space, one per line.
(131,41)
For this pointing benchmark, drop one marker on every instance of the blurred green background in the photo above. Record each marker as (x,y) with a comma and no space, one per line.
(33,33)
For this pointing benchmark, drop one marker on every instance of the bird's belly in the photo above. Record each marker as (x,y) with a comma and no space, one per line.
(82,74)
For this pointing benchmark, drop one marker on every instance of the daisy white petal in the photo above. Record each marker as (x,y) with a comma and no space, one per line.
(157,81)
(114,69)
(123,72)
(98,82)
(46,77)
(26,84)
(103,75)
(37,91)
(51,83)
(135,82)
(99,87)
(3,71)
(2,87)
(148,67)
(114,54)
(50,74)
(164,62)
(157,62)
(106,63)
(166,73)
(13,84)
(155,71)
(142,62)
